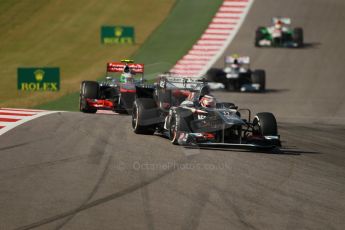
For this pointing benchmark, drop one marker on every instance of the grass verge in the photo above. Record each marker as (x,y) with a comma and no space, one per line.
(66,34)
(166,45)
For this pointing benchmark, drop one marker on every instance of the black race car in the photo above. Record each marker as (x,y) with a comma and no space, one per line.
(174,108)
(237,76)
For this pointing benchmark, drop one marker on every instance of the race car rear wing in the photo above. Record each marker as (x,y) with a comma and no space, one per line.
(240,60)
(175,78)
(177,81)
(286,21)
(117,67)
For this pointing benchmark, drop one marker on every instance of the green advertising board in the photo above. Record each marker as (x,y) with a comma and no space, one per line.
(117,35)
(38,79)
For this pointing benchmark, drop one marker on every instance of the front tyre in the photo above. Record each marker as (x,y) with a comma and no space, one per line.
(173,130)
(88,90)
(259,77)
(259,36)
(298,37)
(216,75)
(265,124)
(178,125)
(232,86)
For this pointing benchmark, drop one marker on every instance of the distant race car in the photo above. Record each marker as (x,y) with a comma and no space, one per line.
(279,34)
(116,93)
(183,110)
(237,76)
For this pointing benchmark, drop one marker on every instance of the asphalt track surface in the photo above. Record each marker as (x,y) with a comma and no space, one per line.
(80,171)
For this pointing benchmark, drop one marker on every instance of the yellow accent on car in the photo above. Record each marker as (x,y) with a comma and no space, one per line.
(127,61)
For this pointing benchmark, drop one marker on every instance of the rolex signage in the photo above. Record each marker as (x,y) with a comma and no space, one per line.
(38,79)
(117,35)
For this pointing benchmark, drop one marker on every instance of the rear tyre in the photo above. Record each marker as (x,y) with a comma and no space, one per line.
(259,77)
(216,75)
(139,107)
(298,36)
(265,124)
(231,86)
(258,36)
(88,90)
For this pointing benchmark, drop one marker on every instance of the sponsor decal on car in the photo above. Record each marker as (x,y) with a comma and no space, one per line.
(118,67)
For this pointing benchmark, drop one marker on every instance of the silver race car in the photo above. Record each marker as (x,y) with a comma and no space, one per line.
(183,110)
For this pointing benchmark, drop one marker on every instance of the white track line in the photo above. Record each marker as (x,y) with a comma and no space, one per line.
(186,63)
(23,110)
(195,57)
(234,3)
(225,20)
(218,31)
(210,42)
(231,8)
(193,62)
(202,52)
(13,116)
(222,26)
(205,47)
(188,68)
(7,126)
(211,36)
(107,112)
(228,14)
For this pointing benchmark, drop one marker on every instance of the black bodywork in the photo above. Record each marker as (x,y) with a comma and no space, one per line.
(219,127)
(230,84)
(239,77)
(189,125)
(108,95)
(122,95)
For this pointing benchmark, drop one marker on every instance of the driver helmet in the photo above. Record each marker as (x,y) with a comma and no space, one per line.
(204,91)
(126,69)
(235,63)
(126,76)
(278,24)
(208,101)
